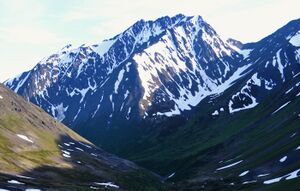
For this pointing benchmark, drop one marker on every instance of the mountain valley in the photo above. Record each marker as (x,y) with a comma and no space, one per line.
(174,97)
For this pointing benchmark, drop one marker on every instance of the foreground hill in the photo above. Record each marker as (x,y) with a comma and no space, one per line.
(36,151)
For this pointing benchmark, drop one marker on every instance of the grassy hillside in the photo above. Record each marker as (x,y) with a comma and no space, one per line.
(38,152)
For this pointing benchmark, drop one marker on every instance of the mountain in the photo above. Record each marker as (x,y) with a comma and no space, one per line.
(273,61)
(244,138)
(152,71)
(176,98)
(38,152)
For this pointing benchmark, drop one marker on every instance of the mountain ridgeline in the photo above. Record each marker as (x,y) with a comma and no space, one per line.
(173,96)
(155,68)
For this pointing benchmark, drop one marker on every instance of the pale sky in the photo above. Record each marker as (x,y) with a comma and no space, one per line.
(33,29)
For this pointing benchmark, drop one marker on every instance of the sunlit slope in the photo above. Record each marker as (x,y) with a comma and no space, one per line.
(37,151)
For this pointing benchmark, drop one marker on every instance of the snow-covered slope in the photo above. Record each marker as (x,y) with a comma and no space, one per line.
(157,70)
(274,60)
(160,67)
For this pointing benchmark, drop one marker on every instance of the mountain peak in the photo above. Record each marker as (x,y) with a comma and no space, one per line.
(87,68)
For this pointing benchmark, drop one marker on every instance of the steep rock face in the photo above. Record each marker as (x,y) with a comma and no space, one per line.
(189,62)
(274,60)
(154,68)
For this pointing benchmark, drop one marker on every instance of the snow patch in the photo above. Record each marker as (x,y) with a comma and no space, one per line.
(249,182)
(107,184)
(93,154)
(66,154)
(289,90)
(252,105)
(281,107)
(88,146)
(171,175)
(21,83)
(128,66)
(262,175)
(79,149)
(230,165)
(25,177)
(120,77)
(289,176)
(283,159)
(24,137)
(128,113)
(60,109)
(280,66)
(112,103)
(14,182)
(216,112)
(83,93)
(295,40)
(244,173)
(98,106)
(245,52)
(102,48)
(246,92)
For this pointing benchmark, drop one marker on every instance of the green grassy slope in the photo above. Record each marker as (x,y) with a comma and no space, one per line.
(34,145)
